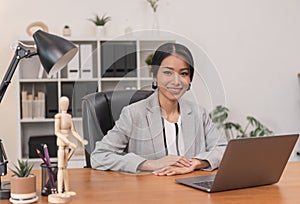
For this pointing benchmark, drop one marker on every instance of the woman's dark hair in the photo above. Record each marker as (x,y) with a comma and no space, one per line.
(168,49)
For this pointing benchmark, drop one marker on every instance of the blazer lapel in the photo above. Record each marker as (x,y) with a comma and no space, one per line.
(188,128)
(155,125)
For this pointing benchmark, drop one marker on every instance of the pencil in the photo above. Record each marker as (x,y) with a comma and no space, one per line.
(41,156)
(48,163)
(46,152)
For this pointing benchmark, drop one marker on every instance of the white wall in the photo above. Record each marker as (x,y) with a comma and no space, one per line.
(254,44)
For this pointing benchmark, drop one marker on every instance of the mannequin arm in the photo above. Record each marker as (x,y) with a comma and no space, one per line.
(77,136)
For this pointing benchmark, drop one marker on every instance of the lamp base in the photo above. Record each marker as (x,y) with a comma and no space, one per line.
(5,190)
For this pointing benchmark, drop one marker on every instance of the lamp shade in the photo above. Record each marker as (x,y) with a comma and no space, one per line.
(54,52)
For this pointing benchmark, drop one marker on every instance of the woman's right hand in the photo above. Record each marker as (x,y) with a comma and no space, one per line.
(170,160)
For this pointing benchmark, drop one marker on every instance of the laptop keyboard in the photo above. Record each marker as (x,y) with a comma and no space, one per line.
(205,184)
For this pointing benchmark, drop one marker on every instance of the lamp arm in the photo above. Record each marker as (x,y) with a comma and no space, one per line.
(3,161)
(20,53)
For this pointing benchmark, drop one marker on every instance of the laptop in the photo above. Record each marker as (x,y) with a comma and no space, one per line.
(247,162)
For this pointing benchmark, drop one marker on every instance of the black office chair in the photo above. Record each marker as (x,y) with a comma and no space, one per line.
(100,111)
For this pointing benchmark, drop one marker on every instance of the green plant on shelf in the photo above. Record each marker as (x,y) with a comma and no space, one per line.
(148,60)
(100,21)
(153,4)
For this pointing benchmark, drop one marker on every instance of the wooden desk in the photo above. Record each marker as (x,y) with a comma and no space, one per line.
(112,187)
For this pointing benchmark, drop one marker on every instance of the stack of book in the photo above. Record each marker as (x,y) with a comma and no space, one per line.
(33,107)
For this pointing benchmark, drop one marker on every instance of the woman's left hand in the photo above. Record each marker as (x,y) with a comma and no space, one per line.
(175,170)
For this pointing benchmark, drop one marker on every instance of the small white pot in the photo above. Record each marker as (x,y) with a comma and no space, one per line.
(100,31)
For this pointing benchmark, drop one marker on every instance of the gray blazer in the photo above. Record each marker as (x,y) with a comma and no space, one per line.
(137,136)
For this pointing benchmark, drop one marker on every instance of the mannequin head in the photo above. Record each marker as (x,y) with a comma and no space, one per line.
(64,103)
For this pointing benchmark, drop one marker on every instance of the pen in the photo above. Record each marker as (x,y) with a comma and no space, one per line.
(47,157)
(44,160)
(48,163)
(41,156)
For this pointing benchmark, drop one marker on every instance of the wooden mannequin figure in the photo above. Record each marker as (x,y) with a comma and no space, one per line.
(63,129)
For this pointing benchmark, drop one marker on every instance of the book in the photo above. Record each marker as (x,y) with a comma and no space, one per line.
(73,67)
(86,59)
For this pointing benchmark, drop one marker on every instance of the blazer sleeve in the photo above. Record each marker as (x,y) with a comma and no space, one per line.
(216,143)
(110,153)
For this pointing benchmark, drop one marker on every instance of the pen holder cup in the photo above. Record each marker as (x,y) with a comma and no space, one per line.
(49,179)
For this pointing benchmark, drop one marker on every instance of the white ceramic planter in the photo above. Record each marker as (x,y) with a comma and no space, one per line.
(100,31)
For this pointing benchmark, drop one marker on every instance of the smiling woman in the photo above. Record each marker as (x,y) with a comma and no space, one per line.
(163,133)
(172,72)
(173,77)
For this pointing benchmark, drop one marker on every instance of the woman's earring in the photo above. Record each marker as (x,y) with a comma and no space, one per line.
(189,87)
(154,85)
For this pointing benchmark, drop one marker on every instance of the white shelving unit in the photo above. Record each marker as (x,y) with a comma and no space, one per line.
(125,60)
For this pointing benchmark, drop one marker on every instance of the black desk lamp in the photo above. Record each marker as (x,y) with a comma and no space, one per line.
(4,186)
(54,53)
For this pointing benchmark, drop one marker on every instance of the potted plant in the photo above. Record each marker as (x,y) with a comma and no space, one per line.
(154,5)
(100,22)
(148,61)
(234,130)
(23,183)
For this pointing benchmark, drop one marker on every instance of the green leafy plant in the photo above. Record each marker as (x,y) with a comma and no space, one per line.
(23,168)
(234,130)
(153,4)
(148,60)
(100,21)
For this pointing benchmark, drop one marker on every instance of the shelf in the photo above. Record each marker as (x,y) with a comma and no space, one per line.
(37,120)
(54,159)
(79,80)
(37,80)
(119,79)
(44,120)
(146,79)
(100,65)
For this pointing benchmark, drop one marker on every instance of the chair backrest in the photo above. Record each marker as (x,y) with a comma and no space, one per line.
(100,110)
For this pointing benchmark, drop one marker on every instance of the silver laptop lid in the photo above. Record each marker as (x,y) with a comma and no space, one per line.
(253,161)
(248,162)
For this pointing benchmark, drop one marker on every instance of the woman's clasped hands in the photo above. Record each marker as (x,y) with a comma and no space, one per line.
(172,165)
(182,165)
